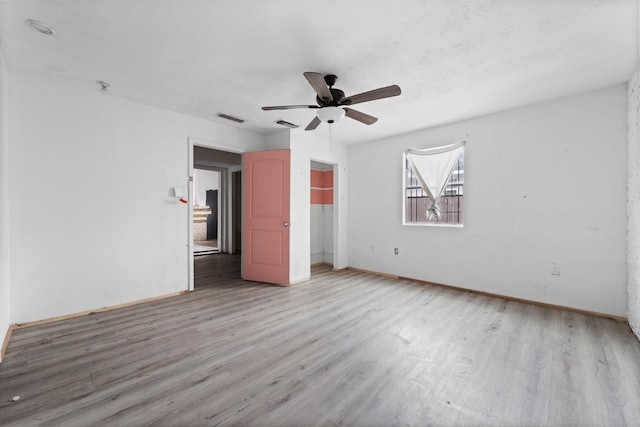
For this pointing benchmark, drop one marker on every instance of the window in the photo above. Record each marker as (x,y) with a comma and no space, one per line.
(434,174)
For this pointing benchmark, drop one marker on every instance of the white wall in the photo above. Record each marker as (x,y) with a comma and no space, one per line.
(306,146)
(633,209)
(321,234)
(92,216)
(280,140)
(543,184)
(204,180)
(327,234)
(633,237)
(5,295)
(317,233)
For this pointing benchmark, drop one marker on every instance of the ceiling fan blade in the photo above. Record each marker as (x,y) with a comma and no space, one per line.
(288,107)
(314,124)
(316,80)
(360,116)
(383,92)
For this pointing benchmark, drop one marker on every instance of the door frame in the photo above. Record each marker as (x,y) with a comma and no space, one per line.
(191,144)
(334,205)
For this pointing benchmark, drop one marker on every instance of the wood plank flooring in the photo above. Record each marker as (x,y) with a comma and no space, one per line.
(346,348)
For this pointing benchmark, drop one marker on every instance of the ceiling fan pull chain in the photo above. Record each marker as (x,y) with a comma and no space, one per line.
(330,137)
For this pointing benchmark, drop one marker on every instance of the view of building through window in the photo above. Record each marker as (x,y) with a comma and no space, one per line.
(450,204)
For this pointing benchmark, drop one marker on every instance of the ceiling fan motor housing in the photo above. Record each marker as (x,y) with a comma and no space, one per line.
(338,99)
(330,79)
(336,94)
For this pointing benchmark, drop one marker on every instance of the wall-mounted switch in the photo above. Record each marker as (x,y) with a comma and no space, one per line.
(180,192)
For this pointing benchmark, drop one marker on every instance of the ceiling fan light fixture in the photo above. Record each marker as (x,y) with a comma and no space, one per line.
(330,114)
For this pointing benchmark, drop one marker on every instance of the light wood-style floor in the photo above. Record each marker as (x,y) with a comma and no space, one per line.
(345,348)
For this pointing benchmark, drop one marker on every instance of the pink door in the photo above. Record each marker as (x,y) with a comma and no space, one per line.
(265,216)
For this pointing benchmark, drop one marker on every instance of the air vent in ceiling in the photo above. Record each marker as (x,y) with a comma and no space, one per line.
(232,118)
(287,124)
(40,27)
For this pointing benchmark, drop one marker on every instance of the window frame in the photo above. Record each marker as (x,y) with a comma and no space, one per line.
(405,167)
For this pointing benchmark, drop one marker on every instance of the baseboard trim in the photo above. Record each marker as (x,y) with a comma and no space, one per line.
(295,282)
(506,297)
(99,310)
(5,344)
(317,264)
(377,273)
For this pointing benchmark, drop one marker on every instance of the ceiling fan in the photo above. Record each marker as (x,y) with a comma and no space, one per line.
(332,102)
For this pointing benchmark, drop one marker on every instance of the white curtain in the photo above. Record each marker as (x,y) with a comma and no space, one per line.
(432,168)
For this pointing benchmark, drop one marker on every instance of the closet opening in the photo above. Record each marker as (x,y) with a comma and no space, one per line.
(322,214)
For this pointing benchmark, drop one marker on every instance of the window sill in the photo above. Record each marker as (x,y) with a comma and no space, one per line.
(426,224)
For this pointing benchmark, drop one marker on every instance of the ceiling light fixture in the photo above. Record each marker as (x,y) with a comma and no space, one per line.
(40,27)
(331,114)
(104,86)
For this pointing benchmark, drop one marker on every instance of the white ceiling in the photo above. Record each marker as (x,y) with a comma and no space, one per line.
(452,59)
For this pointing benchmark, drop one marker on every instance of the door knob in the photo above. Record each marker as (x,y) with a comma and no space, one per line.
(286,224)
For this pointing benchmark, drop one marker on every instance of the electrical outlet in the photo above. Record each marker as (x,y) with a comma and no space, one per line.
(395,251)
(555,269)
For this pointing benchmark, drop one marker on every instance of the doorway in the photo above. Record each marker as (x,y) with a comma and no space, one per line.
(206,212)
(215,235)
(322,213)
